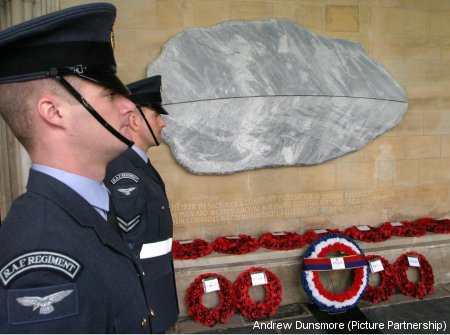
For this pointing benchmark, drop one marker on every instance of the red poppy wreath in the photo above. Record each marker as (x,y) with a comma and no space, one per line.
(426,281)
(403,229)
(248,307)
(190,249)
(199,312)
(440,226)
(368,234)
(422,223)
(313,234)
(386,287)
(281,241)
(236,245)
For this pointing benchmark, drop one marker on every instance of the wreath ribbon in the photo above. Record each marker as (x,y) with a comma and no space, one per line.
(324,263)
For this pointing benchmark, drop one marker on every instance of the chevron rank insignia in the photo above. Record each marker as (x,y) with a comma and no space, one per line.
(127,226)
(42,304)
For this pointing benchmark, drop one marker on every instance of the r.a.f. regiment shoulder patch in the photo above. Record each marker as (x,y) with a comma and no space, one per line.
(40,304)
(124,175)
(37,260)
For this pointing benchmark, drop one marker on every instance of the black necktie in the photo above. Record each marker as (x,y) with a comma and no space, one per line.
(111,216)
(163,186)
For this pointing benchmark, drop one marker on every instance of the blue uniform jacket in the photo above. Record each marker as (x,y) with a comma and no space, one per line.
(142,209)
(63,269)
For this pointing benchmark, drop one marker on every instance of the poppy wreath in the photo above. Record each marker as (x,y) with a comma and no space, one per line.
(192,250)
(281,241)
(422,223)
(250,308)
(403,230)
(315,260)
(375,234)
(223,312)
(426,282)
(241,244)
(311,235)
(440,226)
(385,290)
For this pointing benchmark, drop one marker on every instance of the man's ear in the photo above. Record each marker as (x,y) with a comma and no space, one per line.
(133,121)
(48,108)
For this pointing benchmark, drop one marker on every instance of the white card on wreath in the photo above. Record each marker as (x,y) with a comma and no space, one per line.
(233,237)
(320,231)
(337,263)
(397,224)
(185,241)
(279,233)
(363,228)
(211,284)
(376,265)
(258,278)
(414,261)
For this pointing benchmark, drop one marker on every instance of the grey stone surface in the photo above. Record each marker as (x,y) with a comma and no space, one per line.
(247,95)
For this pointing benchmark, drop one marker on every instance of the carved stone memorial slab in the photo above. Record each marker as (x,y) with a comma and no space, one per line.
(247,95)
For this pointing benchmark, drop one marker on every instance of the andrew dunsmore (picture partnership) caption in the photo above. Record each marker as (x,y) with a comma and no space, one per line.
(433,326)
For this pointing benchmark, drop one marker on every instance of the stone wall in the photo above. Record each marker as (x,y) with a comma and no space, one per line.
(405,174)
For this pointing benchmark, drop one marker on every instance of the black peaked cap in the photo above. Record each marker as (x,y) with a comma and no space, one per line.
(77,40)
(147,92)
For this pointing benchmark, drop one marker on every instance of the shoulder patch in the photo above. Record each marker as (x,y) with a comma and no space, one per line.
(42,304)
(39,260)
(124,175)
(126,190)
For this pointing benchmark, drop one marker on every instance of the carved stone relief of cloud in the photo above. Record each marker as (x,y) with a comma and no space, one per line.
(247,95)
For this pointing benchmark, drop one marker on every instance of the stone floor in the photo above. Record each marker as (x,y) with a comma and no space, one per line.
(399,315)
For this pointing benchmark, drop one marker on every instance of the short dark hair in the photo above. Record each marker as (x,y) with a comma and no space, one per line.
(17,101)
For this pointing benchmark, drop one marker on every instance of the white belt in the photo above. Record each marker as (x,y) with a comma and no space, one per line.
(156,249)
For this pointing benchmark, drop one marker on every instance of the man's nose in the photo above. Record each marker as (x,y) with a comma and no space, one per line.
(126,105)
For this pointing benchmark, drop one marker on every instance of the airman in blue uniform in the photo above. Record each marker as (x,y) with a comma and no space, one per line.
(141,203)
(63,266)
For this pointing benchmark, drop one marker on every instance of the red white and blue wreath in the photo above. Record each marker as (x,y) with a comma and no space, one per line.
(315,260)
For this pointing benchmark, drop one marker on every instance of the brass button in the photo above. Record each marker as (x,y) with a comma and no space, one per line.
(152,313)
(162,207)
(144,323)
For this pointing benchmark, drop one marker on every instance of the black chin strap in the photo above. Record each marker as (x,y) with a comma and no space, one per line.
(56,75)
(148,124)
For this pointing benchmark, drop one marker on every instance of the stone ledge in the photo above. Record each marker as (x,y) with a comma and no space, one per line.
(264,256)
(287,265)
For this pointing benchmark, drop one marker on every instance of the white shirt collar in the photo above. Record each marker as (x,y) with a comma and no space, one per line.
(141,153)
(91,190)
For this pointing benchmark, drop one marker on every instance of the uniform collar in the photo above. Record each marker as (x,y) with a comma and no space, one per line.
(91,190)
(141,153)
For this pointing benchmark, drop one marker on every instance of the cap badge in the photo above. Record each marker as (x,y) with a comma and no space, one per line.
(112,39)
